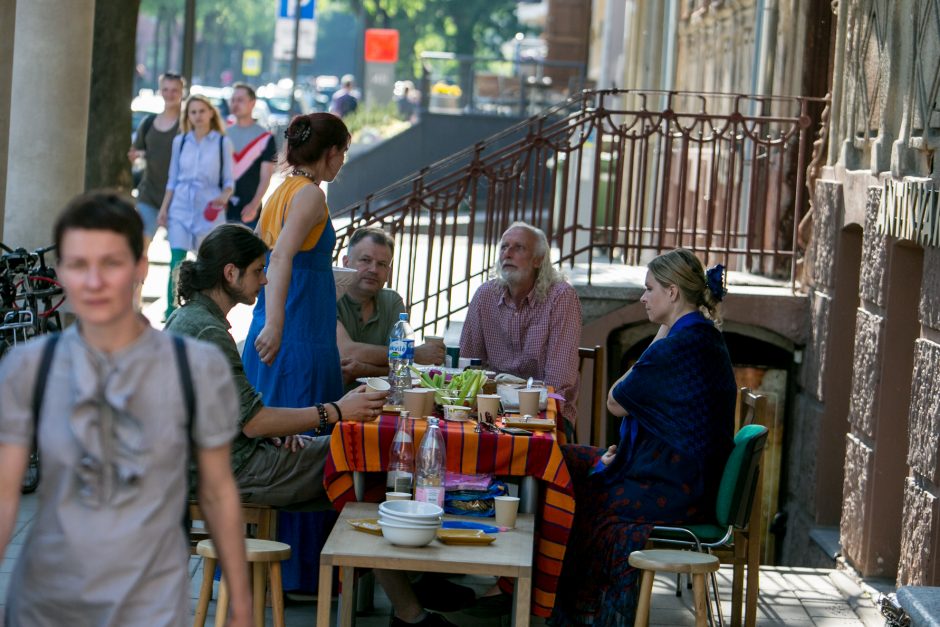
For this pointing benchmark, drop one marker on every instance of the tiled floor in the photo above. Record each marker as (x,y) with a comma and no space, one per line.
(801,597)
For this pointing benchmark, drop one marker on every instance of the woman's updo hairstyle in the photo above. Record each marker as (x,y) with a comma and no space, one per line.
(702,289)
(311,136)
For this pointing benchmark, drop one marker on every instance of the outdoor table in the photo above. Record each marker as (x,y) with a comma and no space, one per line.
(509,556)
(364,447)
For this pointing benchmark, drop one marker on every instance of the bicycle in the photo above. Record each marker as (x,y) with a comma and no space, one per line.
(30,298)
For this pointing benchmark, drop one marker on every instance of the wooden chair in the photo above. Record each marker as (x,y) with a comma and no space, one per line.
(260,524)
(737,532)
(598,396)
(262,555)
(692,563)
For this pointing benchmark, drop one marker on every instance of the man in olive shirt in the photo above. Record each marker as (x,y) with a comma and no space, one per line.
(366,313)
(229,270)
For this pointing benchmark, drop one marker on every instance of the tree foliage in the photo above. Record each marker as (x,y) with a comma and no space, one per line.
(468,27)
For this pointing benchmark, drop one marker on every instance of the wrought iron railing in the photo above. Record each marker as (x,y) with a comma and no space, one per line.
(613,176)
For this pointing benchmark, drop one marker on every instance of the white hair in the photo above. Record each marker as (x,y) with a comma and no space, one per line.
(546,275)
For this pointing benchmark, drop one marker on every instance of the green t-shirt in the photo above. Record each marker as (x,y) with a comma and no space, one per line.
(388,304)
(202,319)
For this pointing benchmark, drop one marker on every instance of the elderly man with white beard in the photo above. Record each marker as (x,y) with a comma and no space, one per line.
(527,320)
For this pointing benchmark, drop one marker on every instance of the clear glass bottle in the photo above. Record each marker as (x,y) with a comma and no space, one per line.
(431,465)
(401,459)
(401,355)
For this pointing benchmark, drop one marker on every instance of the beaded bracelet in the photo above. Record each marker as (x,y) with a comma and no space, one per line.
(324,419)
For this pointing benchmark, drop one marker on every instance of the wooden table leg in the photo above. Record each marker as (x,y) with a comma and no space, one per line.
(701,609)
(643,607)
(522,602)
(221,605)
(257,592)
(277,594)
(324,595)
(205,592)
(347,598)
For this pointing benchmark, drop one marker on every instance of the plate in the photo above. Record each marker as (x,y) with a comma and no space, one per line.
(536,424)
(465,536)
(368,525)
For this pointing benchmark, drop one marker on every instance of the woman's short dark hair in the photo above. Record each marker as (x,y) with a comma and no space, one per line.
(225,244)
(311,136)
(102,210)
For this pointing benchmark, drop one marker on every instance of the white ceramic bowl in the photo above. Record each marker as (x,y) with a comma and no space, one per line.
(412,510)
(407,535)
(405,520)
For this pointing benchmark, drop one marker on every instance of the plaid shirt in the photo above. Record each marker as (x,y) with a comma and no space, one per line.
(539,339)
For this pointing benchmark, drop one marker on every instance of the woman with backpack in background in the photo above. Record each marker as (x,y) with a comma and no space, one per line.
(199,184)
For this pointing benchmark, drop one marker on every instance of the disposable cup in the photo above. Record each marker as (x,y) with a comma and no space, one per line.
(428,401)
(414,401)
(507,508)
(398,496)
(377,384)
(487,404)
(529,401)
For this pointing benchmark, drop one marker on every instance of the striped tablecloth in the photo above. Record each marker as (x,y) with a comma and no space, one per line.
(364,447)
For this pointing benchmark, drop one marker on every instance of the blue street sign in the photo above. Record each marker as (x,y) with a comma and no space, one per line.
(286,8)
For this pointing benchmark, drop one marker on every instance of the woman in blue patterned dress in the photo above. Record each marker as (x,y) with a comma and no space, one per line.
(678,407)
(290,354)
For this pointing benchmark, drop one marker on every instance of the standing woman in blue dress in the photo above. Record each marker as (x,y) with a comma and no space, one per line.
(678,407)
(199,184)
(291,356)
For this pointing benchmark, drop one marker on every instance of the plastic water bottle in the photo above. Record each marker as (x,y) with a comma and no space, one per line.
(401,459)
(430,466)
(401,355)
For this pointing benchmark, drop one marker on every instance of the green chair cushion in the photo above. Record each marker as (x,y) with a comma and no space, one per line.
(705,533)
(733,468)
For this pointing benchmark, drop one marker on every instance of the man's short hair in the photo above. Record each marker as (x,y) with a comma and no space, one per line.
(172,76)
(373,233)
(102,210)
(248,89)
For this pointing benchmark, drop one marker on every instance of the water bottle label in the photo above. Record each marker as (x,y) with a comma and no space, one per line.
(401,349)
(429,494)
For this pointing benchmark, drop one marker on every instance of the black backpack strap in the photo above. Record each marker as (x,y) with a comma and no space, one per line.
(42,377)
(146,126)
(189,399)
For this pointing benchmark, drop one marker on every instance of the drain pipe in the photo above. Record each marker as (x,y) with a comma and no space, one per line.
(768,17)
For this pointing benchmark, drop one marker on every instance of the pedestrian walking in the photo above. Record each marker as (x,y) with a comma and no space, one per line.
(255,156)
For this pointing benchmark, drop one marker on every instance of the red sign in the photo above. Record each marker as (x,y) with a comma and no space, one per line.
(381,45)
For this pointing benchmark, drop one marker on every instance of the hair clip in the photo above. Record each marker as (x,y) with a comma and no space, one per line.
(715,278)
(297,138)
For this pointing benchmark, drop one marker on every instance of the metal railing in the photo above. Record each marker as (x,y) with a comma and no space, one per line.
(611,176)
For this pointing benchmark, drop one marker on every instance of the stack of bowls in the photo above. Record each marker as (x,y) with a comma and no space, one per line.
(409,523)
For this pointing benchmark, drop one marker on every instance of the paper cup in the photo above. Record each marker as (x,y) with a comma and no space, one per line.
(507,508)
(488,404)
(428,401)
(377,384)
(529,402)
(398,496)
(414,401)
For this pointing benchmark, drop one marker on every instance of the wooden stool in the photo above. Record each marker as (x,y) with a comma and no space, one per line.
(671,561)
(259,552)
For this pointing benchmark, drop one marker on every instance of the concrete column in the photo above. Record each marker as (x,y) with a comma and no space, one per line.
(7,30)
(51,80)
(920,540)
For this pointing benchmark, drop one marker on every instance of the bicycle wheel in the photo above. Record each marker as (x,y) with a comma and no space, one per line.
(31,478)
